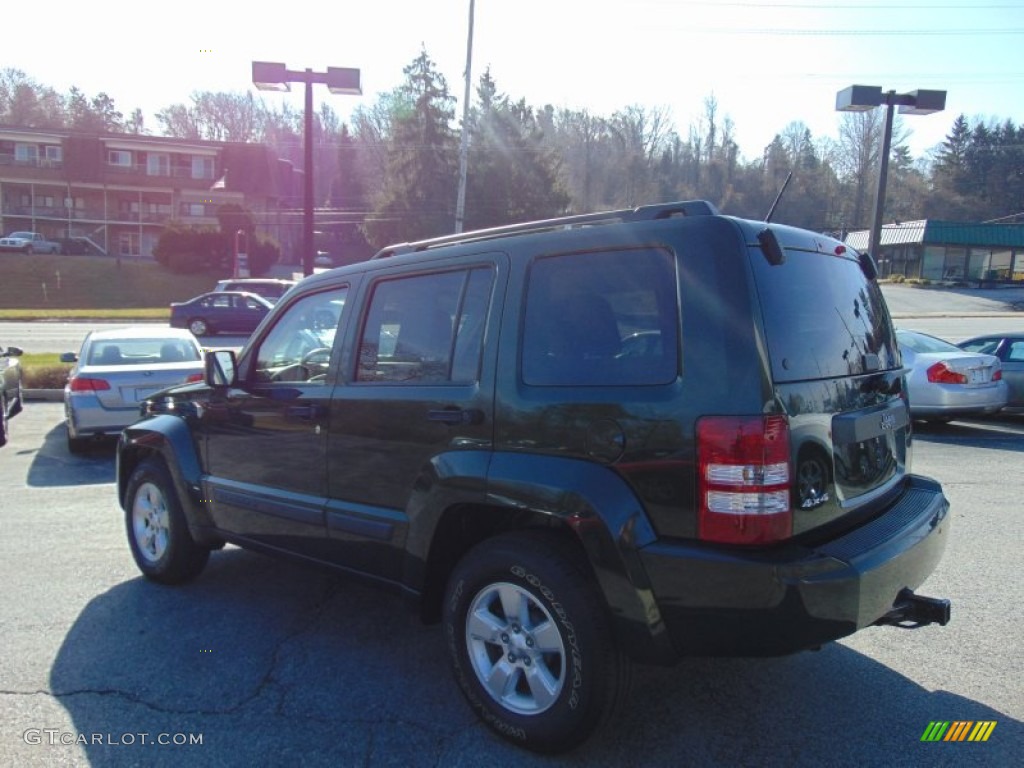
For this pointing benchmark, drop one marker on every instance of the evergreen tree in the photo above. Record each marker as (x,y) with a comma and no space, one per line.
(417,197)
(512,175)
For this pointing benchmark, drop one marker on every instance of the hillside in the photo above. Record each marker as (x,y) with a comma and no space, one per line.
(62,282)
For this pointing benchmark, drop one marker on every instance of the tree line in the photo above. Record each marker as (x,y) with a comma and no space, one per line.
(390,174)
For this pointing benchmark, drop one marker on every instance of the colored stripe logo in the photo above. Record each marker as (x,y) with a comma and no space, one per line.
(958,730)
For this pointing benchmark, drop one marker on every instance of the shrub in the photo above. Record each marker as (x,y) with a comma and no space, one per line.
(45,377)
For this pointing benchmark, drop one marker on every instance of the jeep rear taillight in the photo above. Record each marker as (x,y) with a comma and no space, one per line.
(86,384)
(744,479)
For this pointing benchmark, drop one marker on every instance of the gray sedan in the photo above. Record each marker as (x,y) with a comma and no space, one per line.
(945,382)
(118,368)
(1009,348)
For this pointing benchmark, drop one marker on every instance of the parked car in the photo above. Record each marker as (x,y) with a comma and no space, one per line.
(269,288)
(1009,348)
(10,388)
(28,242)
(578,444)
(945,382)
(116,369)
(220,312)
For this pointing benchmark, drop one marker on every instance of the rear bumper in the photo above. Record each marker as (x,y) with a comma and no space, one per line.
(85,415)
(733,602)
(954,399)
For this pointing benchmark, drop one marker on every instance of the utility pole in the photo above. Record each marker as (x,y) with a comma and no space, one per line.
(460,204)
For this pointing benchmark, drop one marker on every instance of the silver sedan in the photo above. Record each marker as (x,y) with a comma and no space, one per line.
(118,368)
(945,382)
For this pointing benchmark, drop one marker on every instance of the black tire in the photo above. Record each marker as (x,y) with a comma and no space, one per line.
(157,530)
(199,327)
(77,445)
(3,420)
(562,675)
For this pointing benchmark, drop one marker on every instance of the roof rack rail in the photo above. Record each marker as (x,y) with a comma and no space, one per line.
(643,213)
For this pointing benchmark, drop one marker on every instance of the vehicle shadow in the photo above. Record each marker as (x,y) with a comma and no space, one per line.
(54,466)
(263,657)
(1004,432)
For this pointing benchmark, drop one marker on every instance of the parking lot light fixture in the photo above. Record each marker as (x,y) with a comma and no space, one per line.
(274,76)
(861,98)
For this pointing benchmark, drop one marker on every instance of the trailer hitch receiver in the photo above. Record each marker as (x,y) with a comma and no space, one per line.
(911,611)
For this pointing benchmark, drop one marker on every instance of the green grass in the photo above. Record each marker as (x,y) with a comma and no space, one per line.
(39,359)
(54,286)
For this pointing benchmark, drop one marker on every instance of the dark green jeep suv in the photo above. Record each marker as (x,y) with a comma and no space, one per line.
(578,443)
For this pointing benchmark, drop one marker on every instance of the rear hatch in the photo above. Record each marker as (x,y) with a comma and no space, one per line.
(837,375)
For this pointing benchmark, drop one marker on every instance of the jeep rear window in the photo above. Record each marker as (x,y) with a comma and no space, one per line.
(606,318)
(823,317)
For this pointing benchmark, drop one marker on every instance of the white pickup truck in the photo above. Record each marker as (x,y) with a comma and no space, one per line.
(28,242)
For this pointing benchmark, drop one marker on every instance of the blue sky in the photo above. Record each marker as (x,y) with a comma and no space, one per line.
(766,63)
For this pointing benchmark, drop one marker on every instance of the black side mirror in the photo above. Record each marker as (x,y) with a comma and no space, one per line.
(221,368)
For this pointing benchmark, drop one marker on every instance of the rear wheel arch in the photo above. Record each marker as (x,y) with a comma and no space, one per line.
(464,526)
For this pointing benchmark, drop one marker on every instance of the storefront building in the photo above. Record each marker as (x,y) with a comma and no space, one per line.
(948,251)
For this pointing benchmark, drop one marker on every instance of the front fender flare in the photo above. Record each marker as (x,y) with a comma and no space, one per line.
(171,439)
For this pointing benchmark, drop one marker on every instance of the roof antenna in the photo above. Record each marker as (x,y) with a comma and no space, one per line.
(778,197)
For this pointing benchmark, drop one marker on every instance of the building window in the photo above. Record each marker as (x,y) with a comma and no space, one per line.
(202,167)
(192,209)
(120,158)
(54,156)
(158,164)
(26,154)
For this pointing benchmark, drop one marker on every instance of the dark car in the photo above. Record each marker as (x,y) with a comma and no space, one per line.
(1009,348)
(220,312)
(10,388)
(581,443)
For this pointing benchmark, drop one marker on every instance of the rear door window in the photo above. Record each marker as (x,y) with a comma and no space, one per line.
(605,318)
(426,329)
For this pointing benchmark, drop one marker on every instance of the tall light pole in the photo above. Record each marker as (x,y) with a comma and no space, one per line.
(272,76)
(861,98)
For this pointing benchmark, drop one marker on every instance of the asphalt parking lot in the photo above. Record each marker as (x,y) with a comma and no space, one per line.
(271,663)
